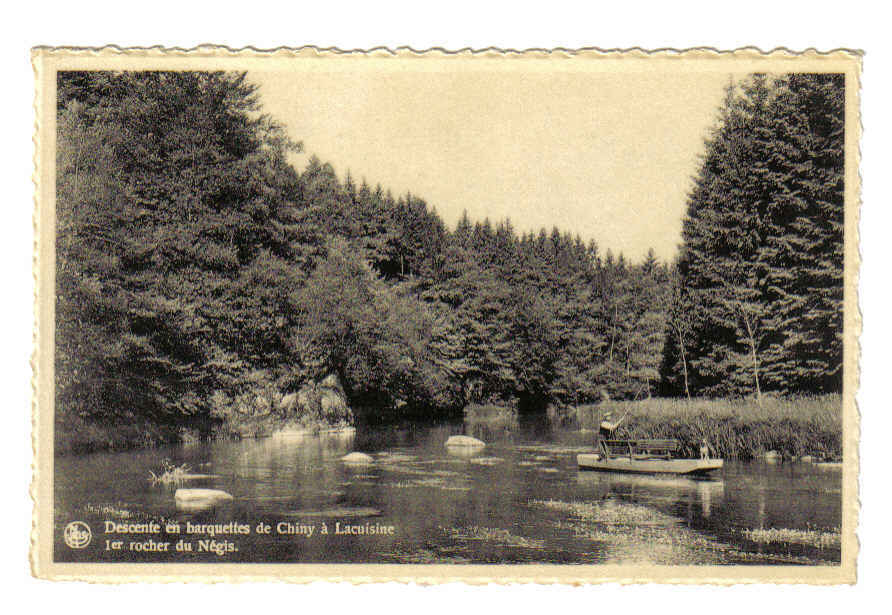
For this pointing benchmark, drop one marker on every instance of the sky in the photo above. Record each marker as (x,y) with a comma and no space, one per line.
(605,155)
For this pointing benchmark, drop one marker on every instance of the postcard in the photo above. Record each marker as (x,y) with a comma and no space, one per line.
(566,316)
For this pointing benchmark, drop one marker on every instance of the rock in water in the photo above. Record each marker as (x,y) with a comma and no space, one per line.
(487,461)
(808,459)
(465,441)
(199,499)
(828,464)
(344,513)
(464,452)
(772,456)
(357,459)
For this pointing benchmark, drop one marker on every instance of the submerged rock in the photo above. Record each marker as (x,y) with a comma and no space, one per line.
(464,441)
(361,511)
(464,452)
(386,457)
(198,499)
(487,461)
(357,458)
(829,464)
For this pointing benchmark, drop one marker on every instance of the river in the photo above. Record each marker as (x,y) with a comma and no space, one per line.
(520,500)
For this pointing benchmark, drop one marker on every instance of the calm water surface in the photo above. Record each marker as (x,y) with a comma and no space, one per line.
(519,500)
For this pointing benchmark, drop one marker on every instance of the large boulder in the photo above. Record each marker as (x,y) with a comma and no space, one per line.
(464,442)
(771,457)
(200,499)
(359,459)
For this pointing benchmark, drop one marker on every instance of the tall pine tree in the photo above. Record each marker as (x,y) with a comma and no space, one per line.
(761,266)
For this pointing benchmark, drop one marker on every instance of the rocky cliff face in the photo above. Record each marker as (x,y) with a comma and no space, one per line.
(316,405)
(323,402)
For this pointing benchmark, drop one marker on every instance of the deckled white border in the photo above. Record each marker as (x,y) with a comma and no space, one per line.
(436,574)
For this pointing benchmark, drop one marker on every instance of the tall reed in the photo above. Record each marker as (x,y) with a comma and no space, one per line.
(733,428)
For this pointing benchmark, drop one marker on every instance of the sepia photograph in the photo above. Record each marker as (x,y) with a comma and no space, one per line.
(465,313)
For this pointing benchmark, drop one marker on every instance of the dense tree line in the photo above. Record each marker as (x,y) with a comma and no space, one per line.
(179,245)
(410,312)
(759,291)
(197,269)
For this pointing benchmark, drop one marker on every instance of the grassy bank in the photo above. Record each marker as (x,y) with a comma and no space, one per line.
(734,428)
(740,428)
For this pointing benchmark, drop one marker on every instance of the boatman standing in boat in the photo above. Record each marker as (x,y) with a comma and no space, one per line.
(607,425)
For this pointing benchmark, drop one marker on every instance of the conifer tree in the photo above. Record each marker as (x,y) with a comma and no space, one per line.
(762,264)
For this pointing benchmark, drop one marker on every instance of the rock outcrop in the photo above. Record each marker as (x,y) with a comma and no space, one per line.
(324,401)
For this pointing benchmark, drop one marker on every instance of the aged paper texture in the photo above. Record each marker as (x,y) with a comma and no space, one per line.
(551,317)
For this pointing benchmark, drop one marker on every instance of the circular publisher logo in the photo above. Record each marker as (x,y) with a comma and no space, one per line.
(77,534)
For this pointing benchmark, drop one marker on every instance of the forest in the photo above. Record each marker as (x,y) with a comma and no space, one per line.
(200,276)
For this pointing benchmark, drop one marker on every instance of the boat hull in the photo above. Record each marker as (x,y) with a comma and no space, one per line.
(689,467)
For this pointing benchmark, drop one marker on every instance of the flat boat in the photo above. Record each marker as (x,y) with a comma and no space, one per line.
(644,457)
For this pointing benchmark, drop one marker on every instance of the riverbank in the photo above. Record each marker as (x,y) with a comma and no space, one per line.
(259,412)
(75,435)
(734,428)
(78,436)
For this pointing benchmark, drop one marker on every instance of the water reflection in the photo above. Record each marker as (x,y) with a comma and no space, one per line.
(518,499)
(464,452)
(491,423)
(705,493)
